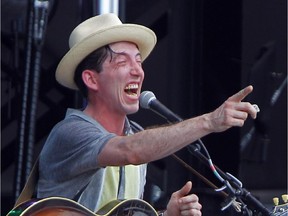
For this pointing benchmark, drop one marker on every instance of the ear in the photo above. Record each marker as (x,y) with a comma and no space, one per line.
(90,79)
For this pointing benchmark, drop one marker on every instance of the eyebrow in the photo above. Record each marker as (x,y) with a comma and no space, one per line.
(126,54)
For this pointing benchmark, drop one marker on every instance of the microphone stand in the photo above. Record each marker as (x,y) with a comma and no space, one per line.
(232,186)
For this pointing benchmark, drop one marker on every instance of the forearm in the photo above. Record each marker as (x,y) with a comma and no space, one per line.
(153,144)
(160,142)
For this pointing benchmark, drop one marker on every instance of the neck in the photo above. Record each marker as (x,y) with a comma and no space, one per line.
(112,122)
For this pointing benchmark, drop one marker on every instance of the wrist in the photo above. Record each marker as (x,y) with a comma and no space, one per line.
(206,123)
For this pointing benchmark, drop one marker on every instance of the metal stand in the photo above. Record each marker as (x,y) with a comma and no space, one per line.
(37,22)
(233,187)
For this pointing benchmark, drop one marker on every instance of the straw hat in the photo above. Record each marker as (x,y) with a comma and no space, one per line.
(96,32)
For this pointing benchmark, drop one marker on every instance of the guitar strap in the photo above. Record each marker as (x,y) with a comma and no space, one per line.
(121,186)
(135,127)
(29,188)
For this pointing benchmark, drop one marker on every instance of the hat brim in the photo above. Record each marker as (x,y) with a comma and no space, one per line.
(143,37)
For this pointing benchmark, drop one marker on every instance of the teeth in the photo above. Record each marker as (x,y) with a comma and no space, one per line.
(131,86)
(131,89)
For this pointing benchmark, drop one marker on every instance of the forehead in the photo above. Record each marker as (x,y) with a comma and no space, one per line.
(124,46)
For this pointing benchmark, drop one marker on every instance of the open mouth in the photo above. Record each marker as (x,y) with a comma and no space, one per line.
(131,89)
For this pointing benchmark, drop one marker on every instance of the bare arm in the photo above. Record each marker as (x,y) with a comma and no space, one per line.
(154,144)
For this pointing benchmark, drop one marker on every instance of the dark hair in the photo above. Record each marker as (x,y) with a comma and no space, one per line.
(93,61)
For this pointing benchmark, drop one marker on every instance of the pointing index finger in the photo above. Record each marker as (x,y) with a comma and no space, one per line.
(239,96)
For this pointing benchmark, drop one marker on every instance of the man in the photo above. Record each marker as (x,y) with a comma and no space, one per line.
(97,155)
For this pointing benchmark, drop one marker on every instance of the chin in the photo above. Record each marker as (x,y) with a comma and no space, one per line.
(132,109)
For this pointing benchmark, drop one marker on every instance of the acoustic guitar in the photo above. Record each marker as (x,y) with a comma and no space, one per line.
(58,206)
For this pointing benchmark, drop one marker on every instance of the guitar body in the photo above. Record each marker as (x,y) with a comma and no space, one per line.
(58,206)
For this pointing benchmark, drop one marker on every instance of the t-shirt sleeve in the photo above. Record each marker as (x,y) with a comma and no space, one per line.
(72,147)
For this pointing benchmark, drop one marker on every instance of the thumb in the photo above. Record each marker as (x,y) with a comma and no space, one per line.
(185,189)
(239,96)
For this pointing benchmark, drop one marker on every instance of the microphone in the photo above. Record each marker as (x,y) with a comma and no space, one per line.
(149,101)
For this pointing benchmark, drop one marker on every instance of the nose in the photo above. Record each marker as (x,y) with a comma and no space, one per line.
(136,69)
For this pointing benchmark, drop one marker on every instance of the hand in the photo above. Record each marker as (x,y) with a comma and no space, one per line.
(233,112)
(183,203)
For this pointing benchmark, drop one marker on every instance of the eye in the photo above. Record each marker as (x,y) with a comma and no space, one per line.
(121,61)
(139,60)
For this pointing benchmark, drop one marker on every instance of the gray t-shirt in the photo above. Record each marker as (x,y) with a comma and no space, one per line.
(68,165)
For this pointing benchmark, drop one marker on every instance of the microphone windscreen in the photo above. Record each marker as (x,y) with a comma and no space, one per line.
(145,98)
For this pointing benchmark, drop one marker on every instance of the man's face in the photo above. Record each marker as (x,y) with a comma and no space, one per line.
(121,79)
